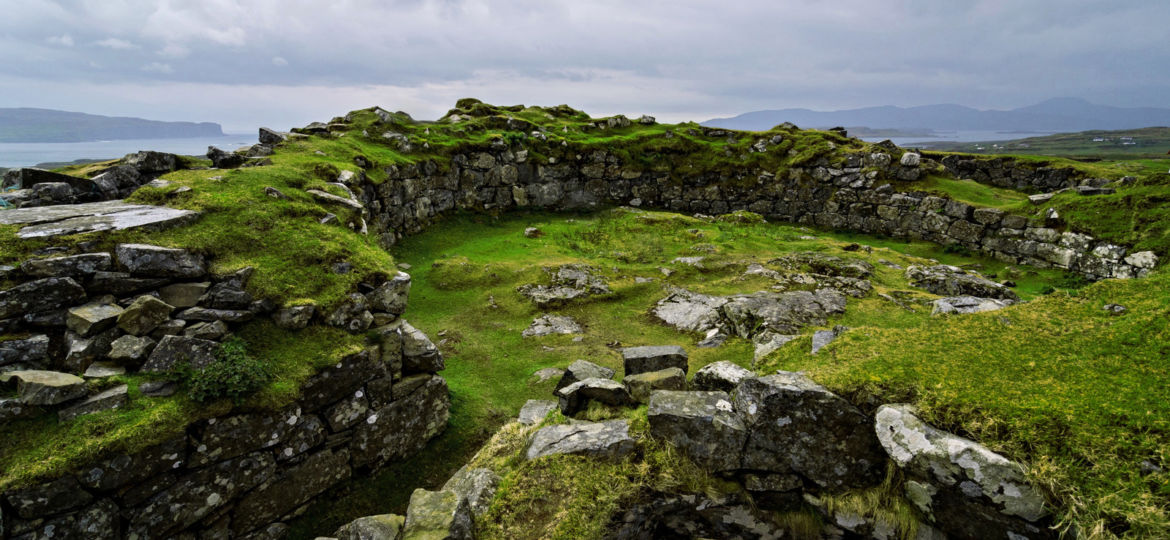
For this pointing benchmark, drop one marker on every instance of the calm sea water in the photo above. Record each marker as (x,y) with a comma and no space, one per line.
(957,136)
(28,154)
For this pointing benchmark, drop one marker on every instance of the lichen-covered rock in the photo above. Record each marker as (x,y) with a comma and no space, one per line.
(380,527)
(341,380)
(290,489)
(691,515)
(720,376)
(391,296)
(80,352)
(99,520)
(93,317)
(144,315)
(438,515)
(535,411)
(173,350)
(576,397)
(402,427)
(784,313)
(476,486)
(642,384)
(40,295)
(199,493)
(703,425)
(653,358)
(580,370)
(31,351)
(548,324)
(689,311)
(54,497)
(154,261)
(419,354)
(126,469)
(294,317)
(74,266)
(968,490)
(38,387)
(568,282)
(967,304)
(112,398)
(947,280)
(131,350)
(821,338)
(798,426)
(353,314)
(610,439)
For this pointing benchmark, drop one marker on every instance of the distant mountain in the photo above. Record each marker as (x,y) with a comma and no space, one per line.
(49,126)
(1055,115)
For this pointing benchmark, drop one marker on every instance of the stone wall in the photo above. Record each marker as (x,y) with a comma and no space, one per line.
(1011,173)
(30,187)
(147,309)
(856,192)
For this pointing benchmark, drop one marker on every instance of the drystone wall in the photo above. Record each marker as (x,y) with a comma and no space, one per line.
(68,322)
(856,194)
(1011,173)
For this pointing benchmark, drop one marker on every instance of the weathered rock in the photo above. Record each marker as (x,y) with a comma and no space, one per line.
(720,376)
(968,490)
(1142,259)
(230,293)
(967,304)
(183,295)
(380,527)
(91,217)
(31,351)
(221,159)
(102,370)
(121,283)
(290,489)
(690,312)
(210,315)
(74,266)
(641,385)
(268,136)
(548,324)
(154,261)
(419,354)
(144,315)
(42,500)
(568,282)
(690,515)
(128,469)
(131,350)
(294,317)
(391,296)
(37,387)
(476,486)
(910,159)
(99,520)
(798,426)
(353,314)
(954,281)
(198,494)
(402,427)
(580,370)
(81,351)
(535,411)
(532,232)
(774,491)
(608,439)
(89,319)
(175,350)
(821,338)
(211,331)
(782,313)
(149,161)
(438,515)
(158,388)
(113,398)
(408,384)
(39,295)
(575,397)
(653,358)
(701,424)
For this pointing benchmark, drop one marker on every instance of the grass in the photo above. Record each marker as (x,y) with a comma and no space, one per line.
(1151,142)
(974,193)
(1135,215)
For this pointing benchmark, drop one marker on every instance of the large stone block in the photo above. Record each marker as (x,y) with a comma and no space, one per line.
(39,296)
(653,358)
(155,261)
(438,515)
(173,350)
(610,439)
(703,425)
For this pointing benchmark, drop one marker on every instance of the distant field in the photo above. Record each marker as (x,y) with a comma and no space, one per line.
(1132,143)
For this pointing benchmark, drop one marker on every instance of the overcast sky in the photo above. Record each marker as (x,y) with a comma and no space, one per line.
(282,63)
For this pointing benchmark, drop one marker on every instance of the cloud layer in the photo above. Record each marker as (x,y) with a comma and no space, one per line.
(291,61)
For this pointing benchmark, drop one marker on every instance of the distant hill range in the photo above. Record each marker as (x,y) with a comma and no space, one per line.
(26,125)
(1054,115)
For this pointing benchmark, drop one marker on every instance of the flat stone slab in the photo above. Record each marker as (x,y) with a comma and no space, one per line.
(609,439)
(36,387)
(44,221)
(535,411)
(967,304)
(113,398)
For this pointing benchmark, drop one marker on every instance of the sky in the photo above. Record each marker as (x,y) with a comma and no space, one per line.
(284,63)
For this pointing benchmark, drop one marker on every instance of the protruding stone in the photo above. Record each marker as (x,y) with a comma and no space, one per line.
(380,527)
(610,439)
(174,350)
(131,350)
(580,370)
(641,385)
(821,338)
(438,515)
(720,376)
(575,397)
(476,486)
(548,324)
(43,500)
(535,411)
(89,319)
(144,315)
(113,398)
(103,370)
(37,387)
(183,295)
(419,354)
(294,317)
(703,425)
(269,136)
(653,358)
(40,295)
(74,266)
(156,261)
(31,351)
(392,295)
(967,304)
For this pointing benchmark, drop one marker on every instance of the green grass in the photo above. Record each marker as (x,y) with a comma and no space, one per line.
(974,193)
(1151,142)
(1136,215)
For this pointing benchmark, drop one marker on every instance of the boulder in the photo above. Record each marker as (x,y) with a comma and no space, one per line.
(967,304)
(910,159)
(535,411)
(642,384)
(89,319)
(144,315)
(797,426)
(211,331)
(947,280)
(380,527)
(221,159)
(438,515)
(151,162)
(552,324)
(720,376)
(568,282)
(155,261)
(967,490)
(653,358)
(703,425)
(175,350)
(476,486)
(782,313)
(391,296)
(689,311)
(576,397)
(39,295)
(112,398)
(268,136)
(610,439)
(74,266)
(580,370)
(37,387)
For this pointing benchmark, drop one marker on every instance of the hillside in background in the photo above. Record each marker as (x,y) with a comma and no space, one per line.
(1130,143)
(1055,115)
(27,125)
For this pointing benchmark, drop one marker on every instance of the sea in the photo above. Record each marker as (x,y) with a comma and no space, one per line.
(920,141)
(14,155)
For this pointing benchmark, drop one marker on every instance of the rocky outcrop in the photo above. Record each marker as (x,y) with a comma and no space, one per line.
(703,425)
(749,315)
(31,187)
(1007,172)
(967,304)
(947,280)
(92,217)
(568,283)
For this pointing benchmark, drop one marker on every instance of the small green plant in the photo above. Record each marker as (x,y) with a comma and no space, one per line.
(234,375)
